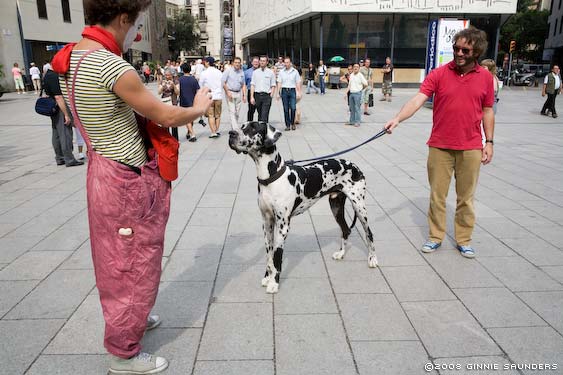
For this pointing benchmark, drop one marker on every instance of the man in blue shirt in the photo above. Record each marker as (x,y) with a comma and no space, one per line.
(235,90)
(248,77)
(188,90)
(289,88)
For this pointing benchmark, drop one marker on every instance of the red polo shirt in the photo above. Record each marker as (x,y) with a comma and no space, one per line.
(458,106)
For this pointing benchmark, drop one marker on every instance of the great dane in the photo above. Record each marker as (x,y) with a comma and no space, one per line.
(285,191)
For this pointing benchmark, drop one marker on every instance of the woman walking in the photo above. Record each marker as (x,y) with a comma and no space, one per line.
(18,79)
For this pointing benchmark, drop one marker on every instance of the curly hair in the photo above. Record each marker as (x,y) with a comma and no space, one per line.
(490,65)
(104,11)
(474,37)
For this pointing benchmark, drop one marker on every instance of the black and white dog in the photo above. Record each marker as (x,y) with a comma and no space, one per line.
(285,191)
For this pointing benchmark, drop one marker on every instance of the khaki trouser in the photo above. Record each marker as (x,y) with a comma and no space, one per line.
(441,164)
(234,105)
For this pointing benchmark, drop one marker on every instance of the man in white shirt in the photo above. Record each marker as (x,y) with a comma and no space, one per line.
(263,89)
(322,71)
(35,74)
(199,68)
(211,78)
(289,88)
(551,86)
(235,90)
(356,84)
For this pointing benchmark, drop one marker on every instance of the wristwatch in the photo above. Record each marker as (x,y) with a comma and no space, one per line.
(489,141)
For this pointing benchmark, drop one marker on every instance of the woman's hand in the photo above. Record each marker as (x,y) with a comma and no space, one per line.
(202,100)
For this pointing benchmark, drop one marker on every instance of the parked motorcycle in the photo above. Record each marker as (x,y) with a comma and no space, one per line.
(518,78)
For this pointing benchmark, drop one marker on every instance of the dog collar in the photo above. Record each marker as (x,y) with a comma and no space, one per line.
(274,177)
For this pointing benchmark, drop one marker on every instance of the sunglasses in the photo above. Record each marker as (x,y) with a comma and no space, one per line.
(464,50)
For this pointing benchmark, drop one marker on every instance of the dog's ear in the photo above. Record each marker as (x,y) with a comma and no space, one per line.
(272,136)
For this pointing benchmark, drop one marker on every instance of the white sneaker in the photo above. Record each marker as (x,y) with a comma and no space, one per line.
(81,156)
(142,363)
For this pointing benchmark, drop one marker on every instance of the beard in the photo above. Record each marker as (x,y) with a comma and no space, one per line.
(462,62)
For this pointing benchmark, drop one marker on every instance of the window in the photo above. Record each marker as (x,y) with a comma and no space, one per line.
(316,40)
(374,37)
(339,36)
(42,9)
(555,28)
(410,40)
(66,10)
(202,13)
(561,25)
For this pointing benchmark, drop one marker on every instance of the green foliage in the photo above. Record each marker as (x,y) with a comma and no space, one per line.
(529,29)
(183,29)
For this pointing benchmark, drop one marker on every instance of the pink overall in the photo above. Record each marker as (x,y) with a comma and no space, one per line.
(127,213)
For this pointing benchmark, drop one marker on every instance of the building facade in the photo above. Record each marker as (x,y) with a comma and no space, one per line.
(553,47)
(309,30)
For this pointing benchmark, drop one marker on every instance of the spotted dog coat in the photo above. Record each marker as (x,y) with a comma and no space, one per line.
(286,191)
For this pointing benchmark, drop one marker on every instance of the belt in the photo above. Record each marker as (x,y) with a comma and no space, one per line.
(288,88)
(261,93)
(234,90)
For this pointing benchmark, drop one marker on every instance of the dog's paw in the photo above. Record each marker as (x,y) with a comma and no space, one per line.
(272,287)
(372,261)
(265,281)
(338,255)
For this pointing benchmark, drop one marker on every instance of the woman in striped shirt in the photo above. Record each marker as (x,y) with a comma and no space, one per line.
(128,201)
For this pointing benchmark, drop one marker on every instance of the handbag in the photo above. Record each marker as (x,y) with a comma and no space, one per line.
(370,100)
(46,106)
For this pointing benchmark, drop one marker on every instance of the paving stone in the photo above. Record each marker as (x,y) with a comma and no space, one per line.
(234,368)
(70,364)
(374,317)
(204,237)
(217,200)
(244,250)
(183,304)
(416,283)
(460,272)
(448,330)
(302,265)
(300,242)
(13,247)
(549,305)
(13,292)
(211,216)
(537,251)
(87,323)
(81,259)
(241,283)
(356,249)
(556,272)
(531,345)
(34,265)
(355,277)
(498,307)
(389,357)
(178,346)
(192,265)
(23,340)
(312,344)
(397,253)
(475,366)
(519,275)
(238,331)
(305,296)
(56,297)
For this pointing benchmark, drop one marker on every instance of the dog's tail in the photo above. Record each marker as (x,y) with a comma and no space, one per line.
(354,220)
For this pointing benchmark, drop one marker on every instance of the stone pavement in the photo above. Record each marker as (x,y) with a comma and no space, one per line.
(502,308)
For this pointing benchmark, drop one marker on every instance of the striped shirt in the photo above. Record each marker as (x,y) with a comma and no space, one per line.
(109,122)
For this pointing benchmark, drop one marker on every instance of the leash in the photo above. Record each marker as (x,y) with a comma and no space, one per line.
(380,134)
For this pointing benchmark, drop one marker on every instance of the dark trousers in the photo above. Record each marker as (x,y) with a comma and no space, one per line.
(263,104)
(289,99)
(174,132)
(549,104)
(322,83)
(62,139)
(251,109)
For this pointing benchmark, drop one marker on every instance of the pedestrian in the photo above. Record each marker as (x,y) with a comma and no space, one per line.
(168,91)
(289,88)
(198,69)
(46,67)
(297,103)
(263,89)
(551,86)
(146,72)
(491,66)
(235,89)
(35,74)
(159,73)
(211,78)
(346,79)
(61,123)
(311,74)
(247,79)
(128,199)
(367,93)
(279,66)
(463,97)
(188,90)
(356,85)
(18,79)
(322,74)
(387,85)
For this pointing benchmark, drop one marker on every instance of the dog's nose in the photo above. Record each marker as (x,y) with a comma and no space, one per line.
(233,133)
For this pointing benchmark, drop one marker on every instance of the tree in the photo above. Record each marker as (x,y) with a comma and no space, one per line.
(528,27)
(183,30)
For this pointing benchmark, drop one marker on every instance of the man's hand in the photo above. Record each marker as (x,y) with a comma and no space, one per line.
(67,120)
(244,98)
(202,100)
(277,98)
(391,124)
(252,101)
(487,154)
(543,93)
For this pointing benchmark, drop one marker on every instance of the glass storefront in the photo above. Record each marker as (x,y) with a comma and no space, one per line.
(353,36)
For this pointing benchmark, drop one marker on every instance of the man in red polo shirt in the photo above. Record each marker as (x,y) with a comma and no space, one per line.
(463,97)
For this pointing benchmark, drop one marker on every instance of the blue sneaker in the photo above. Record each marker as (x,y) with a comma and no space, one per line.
(466,251)
(430,246)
